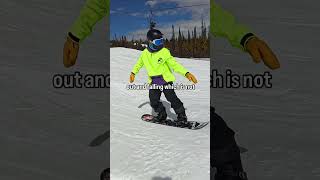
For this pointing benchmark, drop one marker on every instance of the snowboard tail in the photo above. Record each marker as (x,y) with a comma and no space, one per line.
(193,125)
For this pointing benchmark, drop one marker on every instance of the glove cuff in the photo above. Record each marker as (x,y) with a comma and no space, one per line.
(73,37)
(245,40)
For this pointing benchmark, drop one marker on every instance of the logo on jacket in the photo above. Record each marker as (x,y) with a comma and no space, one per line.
(160,60)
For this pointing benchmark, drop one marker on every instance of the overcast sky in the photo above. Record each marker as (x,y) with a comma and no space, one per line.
(130,17)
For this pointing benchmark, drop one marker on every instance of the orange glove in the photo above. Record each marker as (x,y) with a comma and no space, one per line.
(131,79)
(70,52)
(258,50)
(191,77)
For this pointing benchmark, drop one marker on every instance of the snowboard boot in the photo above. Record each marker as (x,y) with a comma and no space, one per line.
(232,171)
(161,115)
(231,175)
(182,119)
(105,174)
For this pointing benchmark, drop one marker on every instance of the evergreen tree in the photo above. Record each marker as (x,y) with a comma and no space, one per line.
(194,45)
(173,39)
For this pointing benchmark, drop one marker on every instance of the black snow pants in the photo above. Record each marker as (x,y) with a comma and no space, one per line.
(224,151)
(155,94)
(223,147)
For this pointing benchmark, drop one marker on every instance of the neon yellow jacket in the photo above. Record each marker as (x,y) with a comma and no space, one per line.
(92,12)
(223,24)
(159,63)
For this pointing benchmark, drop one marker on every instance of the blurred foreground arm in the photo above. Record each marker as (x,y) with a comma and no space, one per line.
(223,24)
(92,12)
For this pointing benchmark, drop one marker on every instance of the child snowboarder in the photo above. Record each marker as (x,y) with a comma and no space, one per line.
(158,63)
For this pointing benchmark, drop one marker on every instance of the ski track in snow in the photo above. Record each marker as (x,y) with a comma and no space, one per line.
(146,151)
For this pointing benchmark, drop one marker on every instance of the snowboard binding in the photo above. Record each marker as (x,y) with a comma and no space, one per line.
(193,125)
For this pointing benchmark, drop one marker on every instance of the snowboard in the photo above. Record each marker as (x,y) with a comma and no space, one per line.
(193,125)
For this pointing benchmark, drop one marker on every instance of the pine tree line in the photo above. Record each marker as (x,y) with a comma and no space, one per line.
(194,45)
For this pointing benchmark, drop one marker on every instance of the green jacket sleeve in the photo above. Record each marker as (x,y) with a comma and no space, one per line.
(223,24)
(138,65)
(90,14)
(177,67)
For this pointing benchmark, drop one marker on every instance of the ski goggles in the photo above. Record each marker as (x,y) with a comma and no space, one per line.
(158,42)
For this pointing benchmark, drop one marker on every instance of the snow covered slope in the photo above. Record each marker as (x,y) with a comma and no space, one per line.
(144,151)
